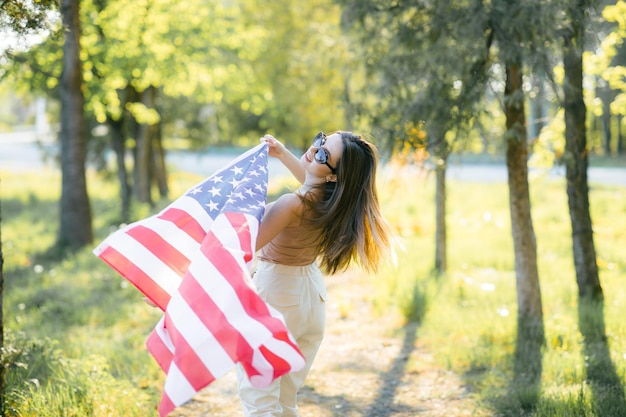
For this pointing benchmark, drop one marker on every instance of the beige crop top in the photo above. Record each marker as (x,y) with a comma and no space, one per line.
(292,246)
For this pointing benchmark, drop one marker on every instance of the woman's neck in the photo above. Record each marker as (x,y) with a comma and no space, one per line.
(309,187)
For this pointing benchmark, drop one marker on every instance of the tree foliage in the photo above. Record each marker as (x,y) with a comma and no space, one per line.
(23,17)
(609,62)
(427,61)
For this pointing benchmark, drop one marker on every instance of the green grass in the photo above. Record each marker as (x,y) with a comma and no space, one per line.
(468,317)
(75,330)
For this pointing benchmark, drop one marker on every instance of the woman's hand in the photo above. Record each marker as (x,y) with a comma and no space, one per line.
(276,149)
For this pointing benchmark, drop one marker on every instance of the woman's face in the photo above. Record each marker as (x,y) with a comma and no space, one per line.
(333,147)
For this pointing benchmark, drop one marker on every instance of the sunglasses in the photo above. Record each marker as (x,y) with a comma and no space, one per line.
(321,156)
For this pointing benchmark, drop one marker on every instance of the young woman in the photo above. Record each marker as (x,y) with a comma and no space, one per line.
(333,219)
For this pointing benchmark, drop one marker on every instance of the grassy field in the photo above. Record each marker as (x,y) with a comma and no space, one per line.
(75,330)
(469,316)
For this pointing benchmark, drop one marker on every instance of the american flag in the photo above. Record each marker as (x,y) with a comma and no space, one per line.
(193,260)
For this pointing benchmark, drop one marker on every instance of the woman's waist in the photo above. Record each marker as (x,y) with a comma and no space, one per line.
(288,256)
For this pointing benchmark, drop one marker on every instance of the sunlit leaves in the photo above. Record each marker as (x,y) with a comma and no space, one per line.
(142,113)
(277,66)
(23,16)
(550,144)
(605,62)
(180,47)
(617,14)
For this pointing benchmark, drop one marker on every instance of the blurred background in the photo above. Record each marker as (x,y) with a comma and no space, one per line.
(500,126)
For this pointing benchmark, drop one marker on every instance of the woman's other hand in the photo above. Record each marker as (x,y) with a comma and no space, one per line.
(276,149)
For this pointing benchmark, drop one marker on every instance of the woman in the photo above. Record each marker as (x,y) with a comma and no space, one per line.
(333,219)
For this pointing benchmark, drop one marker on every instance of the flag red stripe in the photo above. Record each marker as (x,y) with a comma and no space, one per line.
(161,248)
(136,276)
(283,336)
(235,345)
(242,227)
(185,222)
(159,350)
(186,359)
(225,263)
(281,366)
(166,405)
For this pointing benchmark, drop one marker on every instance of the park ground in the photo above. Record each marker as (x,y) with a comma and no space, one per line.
(368,366)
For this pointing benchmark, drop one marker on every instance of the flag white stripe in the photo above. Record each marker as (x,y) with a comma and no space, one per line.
(145,260)
(177,386)
(176,237)
(265,369)
(229,238)
(164,335)
(226,299)
(195,333)
(194,209)
(284,350)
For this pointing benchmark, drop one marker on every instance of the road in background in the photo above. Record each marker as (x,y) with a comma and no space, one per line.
(22,151)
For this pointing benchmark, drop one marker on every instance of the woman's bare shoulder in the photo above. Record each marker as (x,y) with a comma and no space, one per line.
(289,203)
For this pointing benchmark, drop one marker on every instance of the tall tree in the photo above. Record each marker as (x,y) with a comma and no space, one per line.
(20,20)
(429,77)
(530,328)
(240,67)
(463,43)
(305,70)
(576,153)
(510,22)
(75,228)
(601,373)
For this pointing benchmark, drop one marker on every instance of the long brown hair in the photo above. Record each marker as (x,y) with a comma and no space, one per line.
(348,213)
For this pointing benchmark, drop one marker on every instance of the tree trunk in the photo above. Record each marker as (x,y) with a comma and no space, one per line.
(603,378)
(76,228)
(159,168)
(530,337)
(606,120)
(441,240)
(620,136)
(538,106)
(118,143)
(143,155)
(576,167)
(349,111)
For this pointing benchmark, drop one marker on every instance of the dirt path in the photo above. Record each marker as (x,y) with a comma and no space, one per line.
(367,367)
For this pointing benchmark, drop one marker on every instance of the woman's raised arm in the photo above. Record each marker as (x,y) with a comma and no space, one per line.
(289,160)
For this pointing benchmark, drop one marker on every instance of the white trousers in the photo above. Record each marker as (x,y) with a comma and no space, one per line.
(299,293)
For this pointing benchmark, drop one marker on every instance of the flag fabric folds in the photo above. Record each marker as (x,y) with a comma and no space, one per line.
(193,260)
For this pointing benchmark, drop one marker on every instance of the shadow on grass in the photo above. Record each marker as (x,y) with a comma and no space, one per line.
(521,394)
(606,385)
(339,405)
(383,405)
(57,289)
(414,311)
(525,388)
